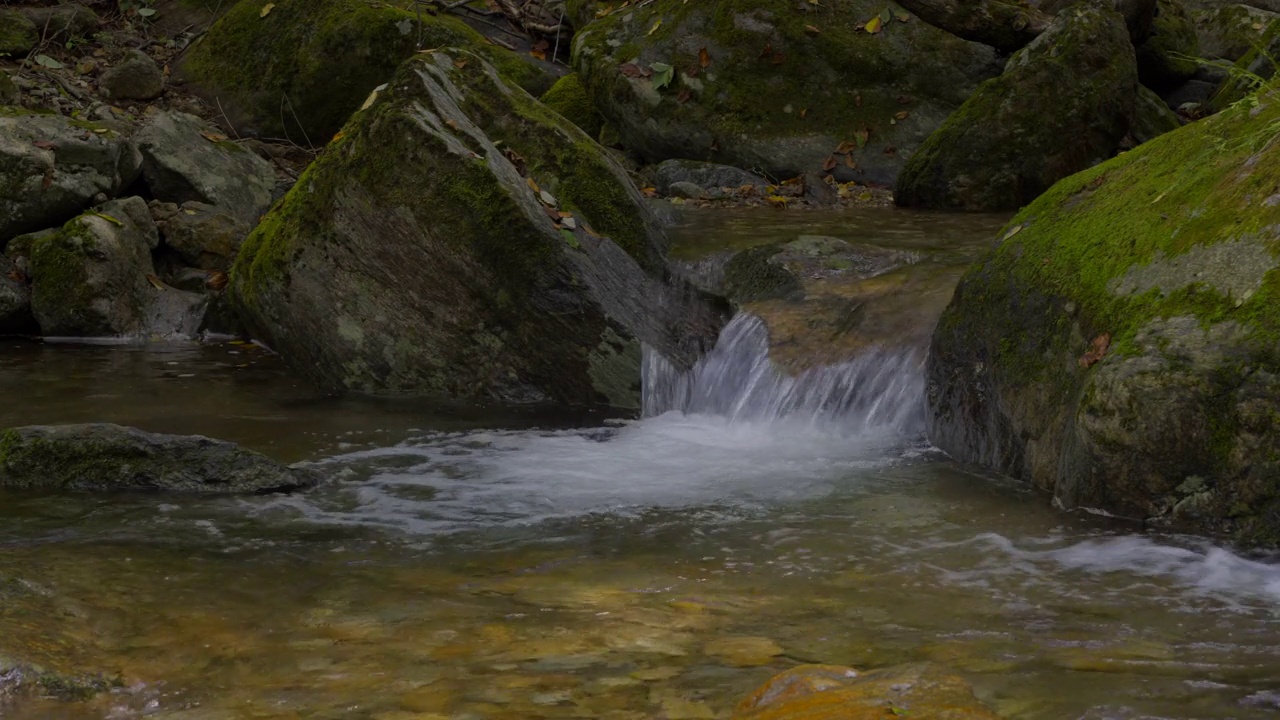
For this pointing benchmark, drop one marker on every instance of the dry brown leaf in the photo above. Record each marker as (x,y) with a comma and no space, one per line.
(155,282)
(684,95)
(451,123)
(533,185)
(1097,350)
(902,115)
(812,30)
(44,145)
(213,136)
(846,146)
(216,280)
(849,162)
(803,112)
(829,164)
(704,58)
(460,63)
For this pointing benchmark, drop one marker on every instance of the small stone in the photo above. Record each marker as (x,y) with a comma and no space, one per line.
(137,77)
(686,190)
(8,89)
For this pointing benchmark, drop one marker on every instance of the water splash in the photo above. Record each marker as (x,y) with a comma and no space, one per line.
(880,389)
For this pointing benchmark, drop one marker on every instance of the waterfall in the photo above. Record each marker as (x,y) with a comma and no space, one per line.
(880,389)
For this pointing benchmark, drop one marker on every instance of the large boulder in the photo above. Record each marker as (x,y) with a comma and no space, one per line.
(202,235)
(299,68)
(18,35)
(52,168)
(1229,32)
(1005,145)
(185,160)
(777,86)
(103,457)
(419,256)
(94,277)
(135,77)
(833,692)
(1169,56)
(1118,348)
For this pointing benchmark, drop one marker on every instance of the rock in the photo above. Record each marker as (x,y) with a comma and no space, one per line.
(1006,26)
(1191,94)
(1147,282)
(204,236)
(686,190)
(1165,60)
(569,98)
(51,168)
(1152,117)
(8,89)
(136,77)
(300,71)
(180,164)
(774,96)
(1138,14)
(18,35)
(832,692)
(414,258)
(15,301)
(704,175)
(818,192)
(1229,32)
(90,279)
(743,651)
(62,22)
(1004,146)
(103,457)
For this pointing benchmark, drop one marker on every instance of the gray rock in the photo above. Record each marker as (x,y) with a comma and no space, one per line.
(1152,117)
(91,278)
(15,301)
(703,174)
(62,22)
(415,258)
(181,165)
(103,457)
(8,89)
(136,77)
(1229,32)
(52,167)
(1168,57)
(686,190)
(1192,92)
(18,35)
(1004,146)
(204,236)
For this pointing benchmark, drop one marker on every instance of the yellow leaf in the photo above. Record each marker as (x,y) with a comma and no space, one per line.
(1012,231)
(874,25)
(266,9)
(655,27)
(338,136)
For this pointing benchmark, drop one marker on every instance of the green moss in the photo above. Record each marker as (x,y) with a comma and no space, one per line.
(301,70)
(18,35)
(57,263)
(75,688)
(569,98)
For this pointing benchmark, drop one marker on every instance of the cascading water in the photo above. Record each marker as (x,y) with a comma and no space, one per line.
(880,389)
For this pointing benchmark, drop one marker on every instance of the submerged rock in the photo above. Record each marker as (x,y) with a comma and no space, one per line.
(52,167)
(751,84)
(299,68)
(103,457)
(419,256)
(1118,349)
(1005,145)
(832,692)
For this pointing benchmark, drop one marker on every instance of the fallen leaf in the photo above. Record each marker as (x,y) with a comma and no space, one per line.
(155,282)
(649,192)
(846,146)
(538,54)
(1153,202)
(547,198)
(1097,349)
(630,70)
(862,136)
(849,162)
(902,115)
(451,123)
(885,15)
(655,27)
(551,213)
(266,9)
(216,280)
(767,51)
(1012,231)
(338,136)
(777,202)
(146,12)
(108,218)
(533,185)
(662,75)
(213,136)
(874,25)
(900,12)
(829,164)
(684,96)
(803,112)
(18,277)
(44,145)
(460,63)
(516,159)
(570,238)
(812,30)
(568,221)
(704,58)
(46,61)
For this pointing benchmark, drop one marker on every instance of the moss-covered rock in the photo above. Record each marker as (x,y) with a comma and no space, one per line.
(18,35)
(52,167)
(1229,32)
(15,301)
(569,98)
(300,70)
(1005,145)
(103,457)
(1168,57)
(1151,117)
(1119,347)
(782,86)
(91,278)
(461,239)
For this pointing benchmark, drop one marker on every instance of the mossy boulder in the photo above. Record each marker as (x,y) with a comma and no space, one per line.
(569,98)
(833,692)
(776,86)
(1119,348)
(18,35)
(1151,117)
(1229,32)
(103,457)
(90,278)
(1169,55)
(461,239)
(301,69)
(52,167)
(1008,143)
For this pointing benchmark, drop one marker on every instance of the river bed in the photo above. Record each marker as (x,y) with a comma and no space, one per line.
(487,563)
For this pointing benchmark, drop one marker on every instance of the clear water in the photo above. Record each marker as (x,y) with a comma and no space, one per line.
(480,563)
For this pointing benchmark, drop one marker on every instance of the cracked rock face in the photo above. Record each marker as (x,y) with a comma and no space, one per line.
(462,240)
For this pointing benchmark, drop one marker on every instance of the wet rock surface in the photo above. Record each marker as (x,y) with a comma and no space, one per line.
(827,692)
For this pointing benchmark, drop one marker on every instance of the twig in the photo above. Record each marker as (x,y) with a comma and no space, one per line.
(226,119)
(284,98)
(556,51)
(71,89)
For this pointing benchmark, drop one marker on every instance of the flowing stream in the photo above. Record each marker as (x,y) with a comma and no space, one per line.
(476,563)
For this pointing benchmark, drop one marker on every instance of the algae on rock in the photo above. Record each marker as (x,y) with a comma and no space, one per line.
(299,69)
(1122,340)
(460,239)
(569,98)
(752,85)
